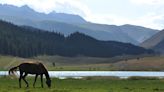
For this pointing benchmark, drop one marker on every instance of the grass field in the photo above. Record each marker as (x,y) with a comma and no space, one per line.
(86,85)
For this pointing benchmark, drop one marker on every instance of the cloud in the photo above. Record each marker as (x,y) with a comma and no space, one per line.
(148,2)
(150,20)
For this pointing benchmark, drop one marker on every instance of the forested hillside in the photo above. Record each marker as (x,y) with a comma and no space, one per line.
(28,42)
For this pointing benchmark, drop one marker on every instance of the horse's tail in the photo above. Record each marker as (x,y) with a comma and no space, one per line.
(12,71)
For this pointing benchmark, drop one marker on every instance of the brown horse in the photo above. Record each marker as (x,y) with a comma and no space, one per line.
(31,68)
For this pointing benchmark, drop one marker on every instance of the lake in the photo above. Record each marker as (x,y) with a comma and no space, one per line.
(79,74)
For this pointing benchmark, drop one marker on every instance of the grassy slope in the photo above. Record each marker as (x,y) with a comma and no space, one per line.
(74,63)
(88,63)
(91,85)
(155,63)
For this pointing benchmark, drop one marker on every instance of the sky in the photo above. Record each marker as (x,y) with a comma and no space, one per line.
(147,13)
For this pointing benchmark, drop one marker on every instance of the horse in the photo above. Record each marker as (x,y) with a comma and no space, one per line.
(36,68)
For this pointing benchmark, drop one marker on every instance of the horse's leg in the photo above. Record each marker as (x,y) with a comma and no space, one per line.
(25,79)
(41,76)
(21,74)
(35,80)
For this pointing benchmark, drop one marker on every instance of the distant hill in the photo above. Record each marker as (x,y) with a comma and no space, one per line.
(137,32)
(131,33)
(68,23)
(28,42)
(113,32)
(156,42)
(67,29)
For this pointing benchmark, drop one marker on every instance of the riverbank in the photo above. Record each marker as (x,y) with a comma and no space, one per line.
(89,84)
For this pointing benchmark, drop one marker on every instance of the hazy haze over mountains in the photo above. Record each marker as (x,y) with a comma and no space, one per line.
(68,23)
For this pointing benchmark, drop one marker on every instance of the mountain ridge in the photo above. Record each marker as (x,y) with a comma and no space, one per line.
(27,12)
(68,23)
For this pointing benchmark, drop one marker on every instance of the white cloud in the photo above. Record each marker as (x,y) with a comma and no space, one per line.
(149,20)
(148,2)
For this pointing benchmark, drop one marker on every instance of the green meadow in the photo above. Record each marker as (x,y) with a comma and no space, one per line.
(86,85)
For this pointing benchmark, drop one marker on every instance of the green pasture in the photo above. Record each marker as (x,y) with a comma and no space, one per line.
(86,85)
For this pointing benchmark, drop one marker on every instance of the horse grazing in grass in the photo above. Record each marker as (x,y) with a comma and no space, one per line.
(31,68)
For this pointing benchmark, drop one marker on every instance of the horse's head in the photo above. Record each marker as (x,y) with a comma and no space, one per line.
(48,82)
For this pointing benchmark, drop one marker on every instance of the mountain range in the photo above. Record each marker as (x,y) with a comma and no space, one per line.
(26,41)
(69,23)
